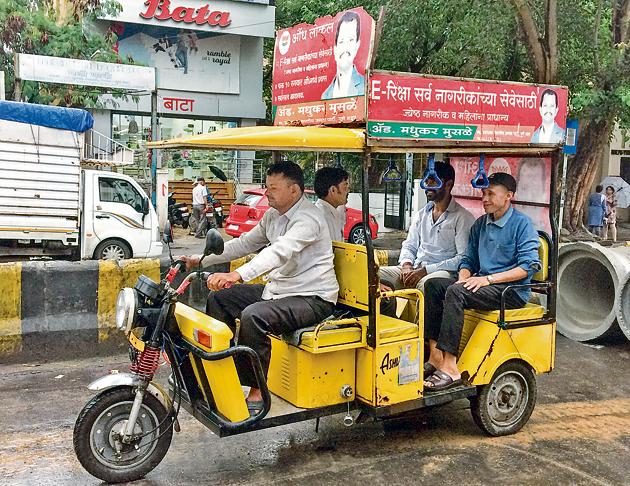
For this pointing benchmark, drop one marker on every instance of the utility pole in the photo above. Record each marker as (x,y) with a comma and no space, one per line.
(154,137)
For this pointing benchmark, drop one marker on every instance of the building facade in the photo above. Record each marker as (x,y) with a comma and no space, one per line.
(209,67)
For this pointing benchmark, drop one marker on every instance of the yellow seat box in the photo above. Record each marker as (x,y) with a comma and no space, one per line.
(310,380)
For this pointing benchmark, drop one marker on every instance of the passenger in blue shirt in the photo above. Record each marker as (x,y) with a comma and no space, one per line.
(502,250)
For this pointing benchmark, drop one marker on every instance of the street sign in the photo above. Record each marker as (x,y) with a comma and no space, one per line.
(319,70)
(418,107)
(62,70)
(570,144)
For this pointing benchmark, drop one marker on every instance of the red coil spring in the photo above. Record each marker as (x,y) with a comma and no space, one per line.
(147,362)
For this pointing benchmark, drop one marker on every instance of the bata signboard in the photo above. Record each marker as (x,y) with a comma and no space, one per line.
(412,106)
(254,18)
(319,70)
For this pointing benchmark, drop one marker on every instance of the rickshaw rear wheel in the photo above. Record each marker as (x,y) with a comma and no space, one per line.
(503,406)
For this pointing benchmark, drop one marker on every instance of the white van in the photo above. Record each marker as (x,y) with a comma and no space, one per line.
(50,205)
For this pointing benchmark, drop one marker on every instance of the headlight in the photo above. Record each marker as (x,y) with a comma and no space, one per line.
(126,306)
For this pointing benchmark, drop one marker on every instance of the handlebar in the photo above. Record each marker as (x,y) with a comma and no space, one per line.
(431,181)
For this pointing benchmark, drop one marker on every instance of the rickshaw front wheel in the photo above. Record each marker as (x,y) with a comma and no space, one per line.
(503,406)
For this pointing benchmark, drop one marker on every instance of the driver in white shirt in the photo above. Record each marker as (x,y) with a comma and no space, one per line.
(296,256)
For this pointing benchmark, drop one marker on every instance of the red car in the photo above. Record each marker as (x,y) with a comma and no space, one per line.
(249,208)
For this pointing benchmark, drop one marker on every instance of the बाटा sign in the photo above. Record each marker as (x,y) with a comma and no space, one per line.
(319,70)
(418,107)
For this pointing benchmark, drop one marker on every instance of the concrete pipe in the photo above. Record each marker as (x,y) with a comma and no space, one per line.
(589,278)
(622,306)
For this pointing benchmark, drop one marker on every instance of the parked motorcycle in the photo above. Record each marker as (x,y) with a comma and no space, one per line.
(217,210)
(178,212)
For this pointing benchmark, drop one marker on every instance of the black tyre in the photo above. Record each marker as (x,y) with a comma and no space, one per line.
(504,406)
(184,223)
(102,418)
(112,250)
(357,235)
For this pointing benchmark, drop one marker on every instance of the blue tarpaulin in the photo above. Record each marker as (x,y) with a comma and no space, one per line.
(46,116)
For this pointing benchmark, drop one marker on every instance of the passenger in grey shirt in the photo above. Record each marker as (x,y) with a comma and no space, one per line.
(437,239)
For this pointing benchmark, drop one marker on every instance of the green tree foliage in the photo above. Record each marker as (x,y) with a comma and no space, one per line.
(35,27)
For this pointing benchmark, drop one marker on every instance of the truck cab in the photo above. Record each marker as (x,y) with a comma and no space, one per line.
(118,220)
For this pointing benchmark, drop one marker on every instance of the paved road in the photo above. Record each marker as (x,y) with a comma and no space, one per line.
(579,434)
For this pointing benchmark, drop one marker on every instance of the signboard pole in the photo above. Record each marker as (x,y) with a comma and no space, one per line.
(17,90)
(154,136)
(2,93)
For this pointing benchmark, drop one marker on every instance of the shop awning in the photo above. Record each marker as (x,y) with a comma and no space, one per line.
(288,139)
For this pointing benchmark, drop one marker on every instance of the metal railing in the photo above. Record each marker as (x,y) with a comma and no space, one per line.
(101,149)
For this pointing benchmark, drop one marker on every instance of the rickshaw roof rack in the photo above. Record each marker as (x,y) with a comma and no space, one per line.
(457,147)
(290,139)
(317,138)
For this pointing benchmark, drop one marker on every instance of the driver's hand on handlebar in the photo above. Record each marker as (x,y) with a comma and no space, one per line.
(190,261)
(218,281)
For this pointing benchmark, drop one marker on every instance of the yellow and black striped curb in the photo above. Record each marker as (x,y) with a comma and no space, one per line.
(71,306)
(72,303)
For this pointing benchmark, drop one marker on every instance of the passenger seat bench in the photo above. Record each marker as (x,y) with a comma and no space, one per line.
(351,268)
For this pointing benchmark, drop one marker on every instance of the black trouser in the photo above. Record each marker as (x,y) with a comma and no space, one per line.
(261,317)
(444,305)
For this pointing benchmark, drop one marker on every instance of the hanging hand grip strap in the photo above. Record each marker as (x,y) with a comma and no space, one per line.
(431,181)
(480,181)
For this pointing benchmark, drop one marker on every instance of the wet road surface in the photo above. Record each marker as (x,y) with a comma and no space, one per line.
(579,433)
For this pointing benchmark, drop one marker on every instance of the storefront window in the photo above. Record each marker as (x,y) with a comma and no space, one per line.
(135,130)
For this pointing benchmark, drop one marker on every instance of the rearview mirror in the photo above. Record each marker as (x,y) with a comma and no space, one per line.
(145,206)
(167,237)
(214,243)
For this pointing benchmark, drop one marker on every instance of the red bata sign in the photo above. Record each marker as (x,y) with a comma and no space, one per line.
(412,106)
(161,10)
(319,70)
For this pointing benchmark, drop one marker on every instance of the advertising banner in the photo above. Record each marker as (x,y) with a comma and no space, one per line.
(319,70)
(532,176)
(186,60)
(418,107)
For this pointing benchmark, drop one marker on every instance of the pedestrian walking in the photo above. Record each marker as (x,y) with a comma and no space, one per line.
(200,202)
(611,214)
(596,211)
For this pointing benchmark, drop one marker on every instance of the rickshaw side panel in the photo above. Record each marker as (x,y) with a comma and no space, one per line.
(489,347)
(390,373)
(221,375)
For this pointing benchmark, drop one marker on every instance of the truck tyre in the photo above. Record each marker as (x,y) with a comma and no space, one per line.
(112,250)
(97,429)
(503,406)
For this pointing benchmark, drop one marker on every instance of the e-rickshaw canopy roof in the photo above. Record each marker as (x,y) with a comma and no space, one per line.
(304,139)
(327,139)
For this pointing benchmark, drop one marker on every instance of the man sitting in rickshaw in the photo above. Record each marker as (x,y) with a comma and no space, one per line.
(502,250)
(437,239)
(332,186)
(296,254)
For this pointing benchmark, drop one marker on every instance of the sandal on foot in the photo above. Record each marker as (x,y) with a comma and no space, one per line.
(255,407)
(440,380)
(429,369)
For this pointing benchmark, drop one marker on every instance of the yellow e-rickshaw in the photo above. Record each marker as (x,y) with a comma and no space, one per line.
(367,362)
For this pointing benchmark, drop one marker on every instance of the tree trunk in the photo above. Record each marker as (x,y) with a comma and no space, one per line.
(583,169)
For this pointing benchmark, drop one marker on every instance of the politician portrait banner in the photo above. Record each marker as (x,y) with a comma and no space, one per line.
(418,107)
(532,176)
(319,70)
